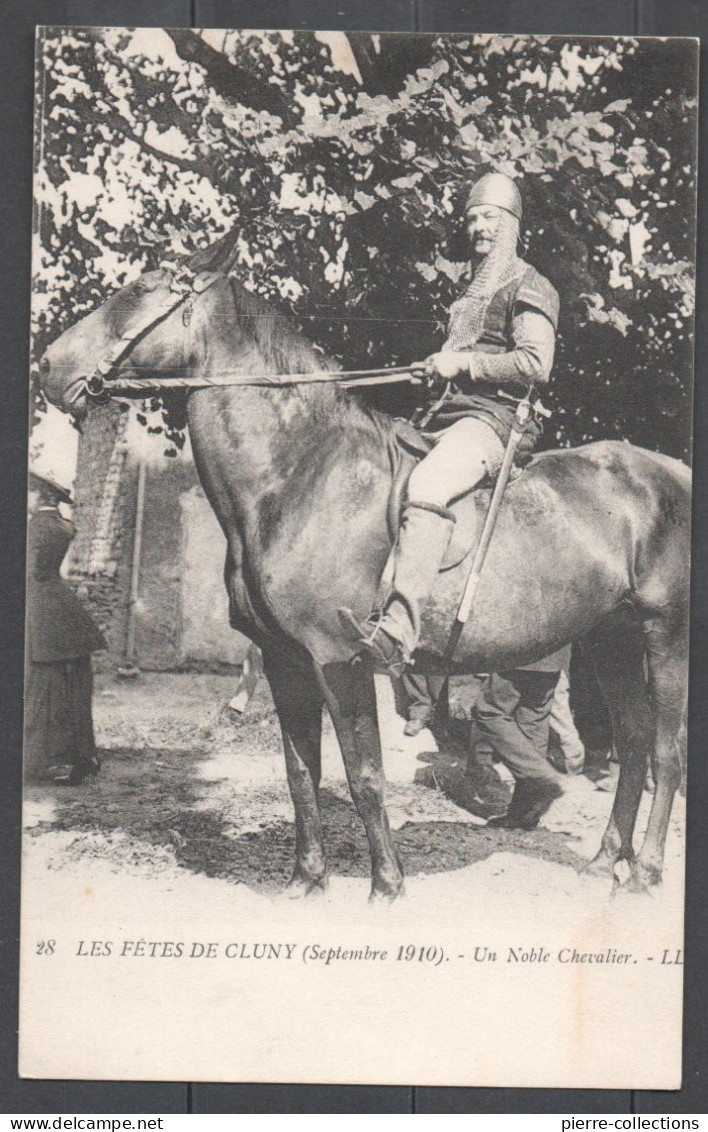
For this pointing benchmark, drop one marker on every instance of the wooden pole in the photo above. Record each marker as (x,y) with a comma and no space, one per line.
(130,667)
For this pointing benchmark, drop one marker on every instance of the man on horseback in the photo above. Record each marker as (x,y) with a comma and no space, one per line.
(501,338)
(597,536)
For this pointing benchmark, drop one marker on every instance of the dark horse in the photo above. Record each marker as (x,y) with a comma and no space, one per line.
(300,478)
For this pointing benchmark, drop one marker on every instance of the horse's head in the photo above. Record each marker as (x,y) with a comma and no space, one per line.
(172,324)
(141,330)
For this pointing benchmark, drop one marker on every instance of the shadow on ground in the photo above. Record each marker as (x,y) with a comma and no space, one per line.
(163,801)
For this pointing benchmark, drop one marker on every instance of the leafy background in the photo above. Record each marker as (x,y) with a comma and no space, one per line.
(327,172)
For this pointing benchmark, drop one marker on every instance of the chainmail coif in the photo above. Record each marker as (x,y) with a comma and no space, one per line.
(498,268)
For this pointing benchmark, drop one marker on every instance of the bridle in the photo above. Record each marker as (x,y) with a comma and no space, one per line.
(183,285)
(106,381)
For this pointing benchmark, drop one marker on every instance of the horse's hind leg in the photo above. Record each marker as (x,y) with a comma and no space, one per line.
(298,701)
(618,655)
(351,698)
(667,659)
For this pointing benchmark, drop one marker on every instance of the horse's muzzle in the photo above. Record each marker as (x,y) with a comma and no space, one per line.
(74,399)
(77,408)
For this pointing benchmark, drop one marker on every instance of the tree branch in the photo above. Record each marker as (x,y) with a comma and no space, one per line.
(186,164)
(227,79)
(386,70)
(122,127)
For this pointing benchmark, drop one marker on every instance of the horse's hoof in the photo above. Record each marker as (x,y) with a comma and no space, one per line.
(384,898)
(602,865)
(632,879)
(630,891)
(644,879)
(387,894)
(305,888)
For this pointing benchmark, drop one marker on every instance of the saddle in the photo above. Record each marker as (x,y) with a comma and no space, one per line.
(411,446)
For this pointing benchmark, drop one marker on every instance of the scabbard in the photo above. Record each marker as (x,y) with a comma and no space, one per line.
(489,524)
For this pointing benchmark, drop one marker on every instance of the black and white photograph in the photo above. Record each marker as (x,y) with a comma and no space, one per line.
(359,543)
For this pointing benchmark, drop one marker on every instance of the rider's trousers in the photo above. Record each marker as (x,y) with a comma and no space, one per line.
(464,454)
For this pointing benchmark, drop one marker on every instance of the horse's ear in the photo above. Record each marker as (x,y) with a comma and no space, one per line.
(150,281)
(216,256)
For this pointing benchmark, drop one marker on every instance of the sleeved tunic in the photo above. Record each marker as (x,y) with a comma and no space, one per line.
(515,348)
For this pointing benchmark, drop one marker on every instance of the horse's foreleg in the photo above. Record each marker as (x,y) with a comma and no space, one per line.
(667,656)
(619,665)
(298,701)
(351,697)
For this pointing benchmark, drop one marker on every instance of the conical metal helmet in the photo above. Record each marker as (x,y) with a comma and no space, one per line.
(498,189)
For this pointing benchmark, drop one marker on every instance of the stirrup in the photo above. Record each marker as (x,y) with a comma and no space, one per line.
(371,638)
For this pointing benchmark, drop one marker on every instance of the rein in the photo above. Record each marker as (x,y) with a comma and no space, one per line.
(103,383)
(348,379)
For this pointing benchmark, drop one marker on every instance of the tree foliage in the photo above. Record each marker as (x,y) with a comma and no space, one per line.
(335,168)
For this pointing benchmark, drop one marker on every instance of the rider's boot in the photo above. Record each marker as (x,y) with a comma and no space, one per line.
(392,637)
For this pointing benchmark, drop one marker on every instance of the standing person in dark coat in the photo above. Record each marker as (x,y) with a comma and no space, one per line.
(60,639)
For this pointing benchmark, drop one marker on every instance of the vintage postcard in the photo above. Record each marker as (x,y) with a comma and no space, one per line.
(358,560)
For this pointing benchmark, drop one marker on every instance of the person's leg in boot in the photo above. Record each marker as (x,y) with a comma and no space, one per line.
(424,536)
(479,768)
(461,459)
(420,703)
(422,694)
(533,718)
(563,726)
(513,716)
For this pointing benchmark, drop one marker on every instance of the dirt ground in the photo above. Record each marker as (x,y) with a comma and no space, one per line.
(187,788)
(187,837)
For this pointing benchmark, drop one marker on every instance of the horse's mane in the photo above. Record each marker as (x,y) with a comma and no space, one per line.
(285,349)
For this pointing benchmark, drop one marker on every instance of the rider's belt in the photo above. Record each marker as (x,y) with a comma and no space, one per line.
(499,415)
